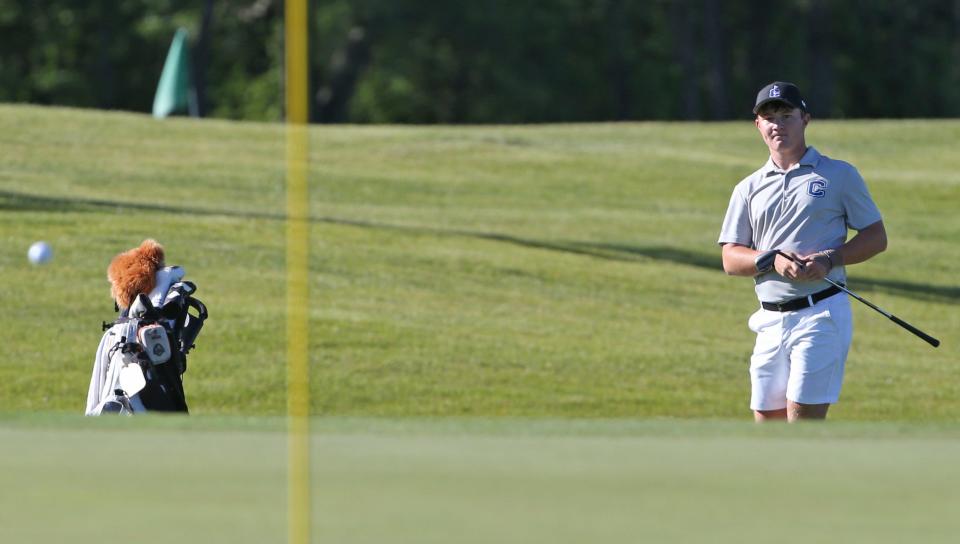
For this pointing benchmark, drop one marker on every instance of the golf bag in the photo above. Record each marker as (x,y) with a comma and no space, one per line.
(143,354)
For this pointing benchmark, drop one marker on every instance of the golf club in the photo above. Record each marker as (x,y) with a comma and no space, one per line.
(926,337)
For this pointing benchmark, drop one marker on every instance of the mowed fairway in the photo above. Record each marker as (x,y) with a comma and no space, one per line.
(518,334)
(478,481)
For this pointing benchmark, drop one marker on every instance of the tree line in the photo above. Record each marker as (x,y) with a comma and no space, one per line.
(495,61)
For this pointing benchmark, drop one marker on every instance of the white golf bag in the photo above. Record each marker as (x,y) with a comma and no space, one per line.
(142,355)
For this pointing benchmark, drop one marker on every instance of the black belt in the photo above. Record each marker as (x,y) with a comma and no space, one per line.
(800,303)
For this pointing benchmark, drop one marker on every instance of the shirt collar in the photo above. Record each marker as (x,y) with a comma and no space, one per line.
(810,158)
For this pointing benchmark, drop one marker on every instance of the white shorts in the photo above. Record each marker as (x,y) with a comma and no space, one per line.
(800,355)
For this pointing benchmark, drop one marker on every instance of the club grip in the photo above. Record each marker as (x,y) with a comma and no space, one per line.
(926,337)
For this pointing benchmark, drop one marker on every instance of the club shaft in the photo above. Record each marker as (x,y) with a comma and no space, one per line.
(917,332)
(858,297)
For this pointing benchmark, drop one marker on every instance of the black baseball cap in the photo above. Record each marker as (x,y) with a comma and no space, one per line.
(780,91)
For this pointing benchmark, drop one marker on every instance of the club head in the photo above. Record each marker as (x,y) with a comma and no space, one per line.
(186,287)
(173,306)
(142,308)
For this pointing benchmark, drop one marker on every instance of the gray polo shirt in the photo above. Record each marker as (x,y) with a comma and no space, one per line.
(806,209)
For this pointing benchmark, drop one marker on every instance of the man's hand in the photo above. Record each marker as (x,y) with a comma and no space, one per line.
(810,268)
(787,268)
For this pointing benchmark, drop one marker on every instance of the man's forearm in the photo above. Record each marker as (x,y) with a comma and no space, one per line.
(864,245)
(739,260)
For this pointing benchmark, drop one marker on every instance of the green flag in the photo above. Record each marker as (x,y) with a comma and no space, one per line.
(175,91)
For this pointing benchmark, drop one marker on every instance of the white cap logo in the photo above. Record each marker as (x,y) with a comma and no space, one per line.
(775,91)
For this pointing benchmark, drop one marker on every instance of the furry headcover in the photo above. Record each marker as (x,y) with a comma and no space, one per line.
(134,272)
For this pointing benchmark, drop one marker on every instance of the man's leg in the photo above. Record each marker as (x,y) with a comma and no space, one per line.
(796,411)
(770,415)
(769,368)
(820,341)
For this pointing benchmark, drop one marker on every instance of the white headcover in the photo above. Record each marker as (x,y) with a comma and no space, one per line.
(165,278)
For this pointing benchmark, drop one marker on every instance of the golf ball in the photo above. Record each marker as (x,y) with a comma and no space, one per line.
(40,253)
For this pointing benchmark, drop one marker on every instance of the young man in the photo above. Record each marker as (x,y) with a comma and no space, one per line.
(802,203)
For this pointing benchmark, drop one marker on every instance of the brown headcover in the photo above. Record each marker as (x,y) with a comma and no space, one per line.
(134,272)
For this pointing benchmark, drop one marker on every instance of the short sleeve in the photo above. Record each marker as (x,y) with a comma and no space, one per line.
(858,205)
(736,227)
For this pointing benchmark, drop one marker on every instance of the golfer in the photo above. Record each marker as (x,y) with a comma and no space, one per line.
(802,203)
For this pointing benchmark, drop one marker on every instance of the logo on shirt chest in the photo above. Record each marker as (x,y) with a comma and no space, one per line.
(817,188)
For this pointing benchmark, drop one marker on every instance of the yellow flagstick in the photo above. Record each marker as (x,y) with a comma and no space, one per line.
(298,211)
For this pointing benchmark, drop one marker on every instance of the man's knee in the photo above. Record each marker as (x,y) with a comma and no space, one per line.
(770,415)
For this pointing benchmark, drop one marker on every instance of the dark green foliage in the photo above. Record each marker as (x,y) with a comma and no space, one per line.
(496,61)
